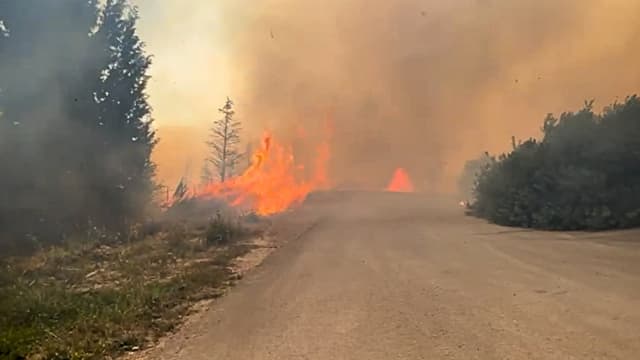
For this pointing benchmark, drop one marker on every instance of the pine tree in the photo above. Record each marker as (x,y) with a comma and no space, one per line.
(127,138)
(75,126)
(223,143)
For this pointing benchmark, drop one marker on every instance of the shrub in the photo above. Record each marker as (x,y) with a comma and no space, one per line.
(583,175)
(221,231)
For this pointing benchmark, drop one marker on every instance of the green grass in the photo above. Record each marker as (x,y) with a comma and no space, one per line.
(93,301)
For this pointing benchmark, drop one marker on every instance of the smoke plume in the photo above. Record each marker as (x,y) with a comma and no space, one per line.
(423,85)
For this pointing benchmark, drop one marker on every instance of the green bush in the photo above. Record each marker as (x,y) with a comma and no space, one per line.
(583,175)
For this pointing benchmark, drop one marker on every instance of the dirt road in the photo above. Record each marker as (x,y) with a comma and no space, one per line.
(392,276)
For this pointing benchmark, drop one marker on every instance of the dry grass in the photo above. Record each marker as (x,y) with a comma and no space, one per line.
(85,300)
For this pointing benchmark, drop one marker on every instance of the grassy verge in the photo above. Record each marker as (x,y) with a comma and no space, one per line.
(95,301)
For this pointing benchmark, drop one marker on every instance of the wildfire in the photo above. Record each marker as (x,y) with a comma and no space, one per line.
(273,182)
(400,182)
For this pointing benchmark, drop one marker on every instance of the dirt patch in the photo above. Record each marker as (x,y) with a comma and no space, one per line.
(261,247)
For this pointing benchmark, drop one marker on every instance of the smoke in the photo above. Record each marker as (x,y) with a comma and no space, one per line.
(39,71)
(423,85)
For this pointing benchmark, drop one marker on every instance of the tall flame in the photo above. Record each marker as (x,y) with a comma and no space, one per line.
(273,182)
(400,182)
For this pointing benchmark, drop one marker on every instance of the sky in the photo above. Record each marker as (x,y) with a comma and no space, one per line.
(190,79)
(419,84)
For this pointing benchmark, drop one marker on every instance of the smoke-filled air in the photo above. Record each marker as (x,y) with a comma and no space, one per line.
(154,152)
(419,85)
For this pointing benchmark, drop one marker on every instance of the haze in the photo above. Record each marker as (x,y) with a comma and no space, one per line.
(423,85)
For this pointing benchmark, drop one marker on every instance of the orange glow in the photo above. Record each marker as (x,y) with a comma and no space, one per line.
(400,182)
(273,182)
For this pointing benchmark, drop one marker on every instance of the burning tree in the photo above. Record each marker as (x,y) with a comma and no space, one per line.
(274,181)
(223,143)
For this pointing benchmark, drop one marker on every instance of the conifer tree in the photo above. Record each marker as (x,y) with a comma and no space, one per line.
(223,143)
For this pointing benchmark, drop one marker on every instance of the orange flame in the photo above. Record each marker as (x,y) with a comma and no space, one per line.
(400,182)
(273,182)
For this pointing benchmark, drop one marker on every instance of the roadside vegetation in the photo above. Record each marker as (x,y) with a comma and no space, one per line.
(84,271)
(584,174)
(93,298)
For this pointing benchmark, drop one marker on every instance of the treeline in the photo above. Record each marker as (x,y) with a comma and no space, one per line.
(583,175)
(75,125)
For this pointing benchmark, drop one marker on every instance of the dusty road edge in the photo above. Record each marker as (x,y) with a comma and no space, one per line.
(264,246)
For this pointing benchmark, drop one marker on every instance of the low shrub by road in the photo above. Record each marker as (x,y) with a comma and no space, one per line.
(583,175)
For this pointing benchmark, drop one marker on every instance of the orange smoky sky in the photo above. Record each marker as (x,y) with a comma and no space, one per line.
(422,85)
